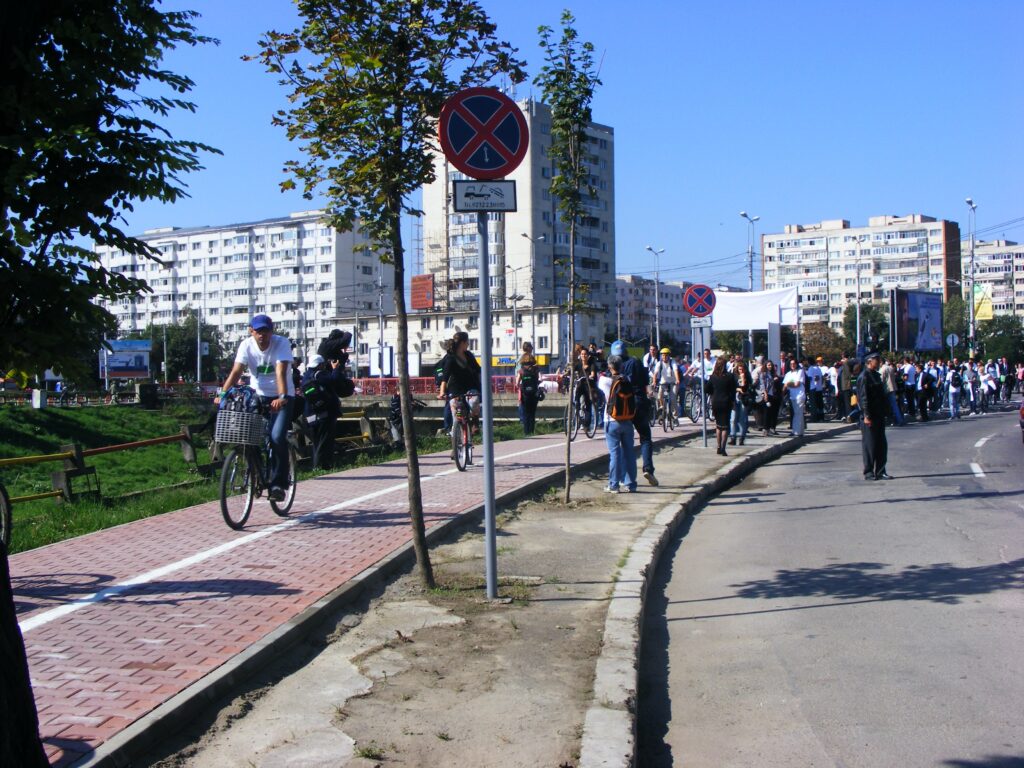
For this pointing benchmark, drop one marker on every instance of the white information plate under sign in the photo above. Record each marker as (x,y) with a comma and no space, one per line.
(700,322)
(473,196)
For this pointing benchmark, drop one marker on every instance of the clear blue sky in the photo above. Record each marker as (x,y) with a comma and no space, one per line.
(793,111)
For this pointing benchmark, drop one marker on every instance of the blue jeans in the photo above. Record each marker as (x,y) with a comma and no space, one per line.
(954,403)
(618,436)
(894,406)
(279,423)
(738,420)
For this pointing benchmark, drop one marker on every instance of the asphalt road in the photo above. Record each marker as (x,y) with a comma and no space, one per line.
(810,618)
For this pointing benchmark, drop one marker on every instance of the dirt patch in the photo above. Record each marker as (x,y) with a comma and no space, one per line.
(446,677)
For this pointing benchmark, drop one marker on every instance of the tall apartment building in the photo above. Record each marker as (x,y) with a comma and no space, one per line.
(914,252)
(525,245)
(636,309)
(297,269)
(999,268)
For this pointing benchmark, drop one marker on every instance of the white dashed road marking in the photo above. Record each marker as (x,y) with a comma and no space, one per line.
(977,470)
(983,440)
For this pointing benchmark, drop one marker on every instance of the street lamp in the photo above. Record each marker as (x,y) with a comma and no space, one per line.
(657,291)
(858,239)
(972,331)
(515,327)
(533,255)
(750,268)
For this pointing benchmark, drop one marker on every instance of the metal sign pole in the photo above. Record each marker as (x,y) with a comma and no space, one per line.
(704,399)
(490,537)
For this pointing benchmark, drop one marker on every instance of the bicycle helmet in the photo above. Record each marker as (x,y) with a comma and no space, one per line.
(666,351)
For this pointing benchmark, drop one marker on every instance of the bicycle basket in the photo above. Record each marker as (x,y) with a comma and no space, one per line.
(240,428)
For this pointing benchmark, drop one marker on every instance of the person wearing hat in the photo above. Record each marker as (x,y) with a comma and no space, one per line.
(874,406)
(268,358)
(323,383)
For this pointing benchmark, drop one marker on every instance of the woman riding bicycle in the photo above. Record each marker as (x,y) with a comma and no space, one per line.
(269,360)
(461,375)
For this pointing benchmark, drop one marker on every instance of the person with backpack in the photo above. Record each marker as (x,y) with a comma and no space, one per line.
(638,375)
(446,425)
(528,384)
(620,414)
(956,382)
(323,383)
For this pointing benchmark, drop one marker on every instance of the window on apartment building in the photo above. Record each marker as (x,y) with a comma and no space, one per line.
(366,270)
(542,317)
(425,346)
(425,323)
(326,267)
(542,342)
(474,344)
(449,322)
(364,325)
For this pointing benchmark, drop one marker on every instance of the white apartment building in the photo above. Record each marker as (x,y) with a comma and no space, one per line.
(524,246)
(914,252)
(999,268)
(297,269)
(636,310)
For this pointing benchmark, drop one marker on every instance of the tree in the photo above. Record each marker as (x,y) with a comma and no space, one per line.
(874,327)
(1002,336)
(819,339)
(180,354)
(367,81)
(955,320)
(567,81)
(80,144)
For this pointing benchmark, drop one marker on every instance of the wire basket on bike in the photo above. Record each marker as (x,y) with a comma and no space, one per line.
(240,428)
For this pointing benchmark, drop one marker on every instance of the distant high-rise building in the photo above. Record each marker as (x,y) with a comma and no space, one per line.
(526,246)
(913,252)
(297,269)
(998,272)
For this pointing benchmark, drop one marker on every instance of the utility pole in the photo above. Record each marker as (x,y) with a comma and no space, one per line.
(972,331)
(380,324)
(657,292)
(750,269)
(618,320)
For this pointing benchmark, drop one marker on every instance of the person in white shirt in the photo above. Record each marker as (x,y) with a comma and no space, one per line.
(795,384)
(665,378)
(816,386)
(268,358)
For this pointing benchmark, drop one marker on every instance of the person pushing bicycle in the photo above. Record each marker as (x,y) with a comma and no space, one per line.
(268,358)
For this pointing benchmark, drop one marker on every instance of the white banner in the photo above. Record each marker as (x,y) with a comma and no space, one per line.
(743,311)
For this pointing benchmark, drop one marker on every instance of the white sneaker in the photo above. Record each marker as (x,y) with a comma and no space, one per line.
(611,490)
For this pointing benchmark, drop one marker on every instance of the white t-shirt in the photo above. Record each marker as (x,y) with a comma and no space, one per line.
(798,377)
(665,373)
(814,375)
(262,364)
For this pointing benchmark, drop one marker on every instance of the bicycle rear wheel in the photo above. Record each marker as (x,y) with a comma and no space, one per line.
(283,507)
(459,438)
(572,422)
(238,486)
(696,402)
(5,518)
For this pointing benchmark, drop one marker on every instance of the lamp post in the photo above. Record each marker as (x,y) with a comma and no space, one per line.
(856,255)
(750,268)
(972,331)
(533,256)
(657,290)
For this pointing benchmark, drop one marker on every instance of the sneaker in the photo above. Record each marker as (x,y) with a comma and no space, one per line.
(276,494)
(609,489)
(883,476)
(650,478)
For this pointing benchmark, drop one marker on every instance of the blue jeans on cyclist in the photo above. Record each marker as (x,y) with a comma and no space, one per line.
(618,436)
(279,423)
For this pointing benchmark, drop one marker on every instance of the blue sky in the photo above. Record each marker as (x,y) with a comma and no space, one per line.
(793,111)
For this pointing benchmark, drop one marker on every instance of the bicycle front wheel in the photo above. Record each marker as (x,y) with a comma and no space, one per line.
(238,487)
(5,518)
(283,507)
(695,405)
(460,437)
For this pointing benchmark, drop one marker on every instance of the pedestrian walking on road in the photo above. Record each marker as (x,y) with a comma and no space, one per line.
(874,405)
(528,385)
(770,397)
(721,385)
(618,432)
(640,378)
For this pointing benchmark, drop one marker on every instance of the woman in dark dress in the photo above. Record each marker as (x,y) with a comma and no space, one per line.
(721,385)
(770,394)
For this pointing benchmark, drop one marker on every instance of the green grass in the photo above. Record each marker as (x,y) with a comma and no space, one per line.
(28,432)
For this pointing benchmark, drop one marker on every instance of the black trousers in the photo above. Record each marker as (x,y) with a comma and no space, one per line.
(922,404)
(874,446)
(323,441)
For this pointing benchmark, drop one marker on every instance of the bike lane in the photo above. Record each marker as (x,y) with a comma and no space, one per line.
(118,622)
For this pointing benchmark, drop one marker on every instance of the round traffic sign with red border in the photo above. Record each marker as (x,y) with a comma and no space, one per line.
(483,133)
(699,300)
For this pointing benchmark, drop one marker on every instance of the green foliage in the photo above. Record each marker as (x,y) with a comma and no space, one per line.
(80,143)
(1002,336)
(955,319)
(820,339)
(874,320)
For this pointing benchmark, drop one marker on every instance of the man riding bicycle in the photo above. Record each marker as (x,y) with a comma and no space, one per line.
(268,358)
(666,377)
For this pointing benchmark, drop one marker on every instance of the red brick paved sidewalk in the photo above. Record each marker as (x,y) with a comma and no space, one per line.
(118,622)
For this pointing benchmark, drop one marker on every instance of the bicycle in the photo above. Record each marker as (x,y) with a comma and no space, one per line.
(462,431)
(699,403)
(581,410)
(246,471)
(664,414)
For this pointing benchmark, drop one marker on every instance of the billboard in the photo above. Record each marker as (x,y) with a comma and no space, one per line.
(917,320)
(422,292)
(126,359)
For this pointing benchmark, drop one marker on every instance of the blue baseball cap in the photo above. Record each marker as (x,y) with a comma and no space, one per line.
(259,322)
(618,348)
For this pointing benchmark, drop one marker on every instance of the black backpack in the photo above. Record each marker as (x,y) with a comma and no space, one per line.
(956,380)
(318,396)
(528,381)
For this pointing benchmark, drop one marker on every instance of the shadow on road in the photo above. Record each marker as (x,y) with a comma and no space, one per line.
(990,761)
(938,583)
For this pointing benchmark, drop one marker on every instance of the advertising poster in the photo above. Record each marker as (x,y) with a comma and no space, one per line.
(126,359)
(917,320)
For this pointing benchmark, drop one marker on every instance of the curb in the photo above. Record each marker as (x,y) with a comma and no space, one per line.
(609,727)
(175,713)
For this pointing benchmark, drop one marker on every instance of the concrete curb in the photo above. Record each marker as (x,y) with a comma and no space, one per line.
(609,728)
(148,731)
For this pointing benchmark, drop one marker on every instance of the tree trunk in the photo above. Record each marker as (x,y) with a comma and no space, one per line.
(572,363)
(19,735)
(419,534)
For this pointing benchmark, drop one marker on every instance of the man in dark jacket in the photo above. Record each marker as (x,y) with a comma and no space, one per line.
(925,391)
(874,406)
(323,383)
(637,374)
